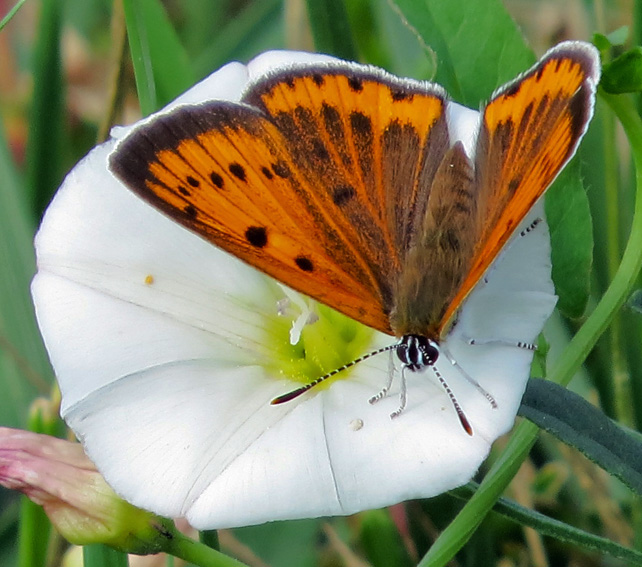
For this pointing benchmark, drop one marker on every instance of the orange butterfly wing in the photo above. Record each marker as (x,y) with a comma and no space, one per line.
(317,181)
(530,129)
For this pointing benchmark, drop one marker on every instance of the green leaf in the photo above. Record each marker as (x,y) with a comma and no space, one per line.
(619,36)
(241,37)
(461,529)
(210,538)
(24,365)
(579,424)
(102,556)
(331,28)
(430,35)
(616,37)
(161,65)
(561,531)
(34,534)
(46,124)
(451,29)
(569,217)
(394,45)
(623,74)
(381,540)
(267,542)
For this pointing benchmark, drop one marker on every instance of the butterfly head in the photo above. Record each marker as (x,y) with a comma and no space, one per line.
(416,352)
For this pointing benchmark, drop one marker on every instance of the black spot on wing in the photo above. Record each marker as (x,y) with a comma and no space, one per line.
(268,174)
(355,83)
(281,169)
(398,95)
(304,263)
(190,211)
(216,179)
(342,194)
(256,236)
(238,171)
(361,125)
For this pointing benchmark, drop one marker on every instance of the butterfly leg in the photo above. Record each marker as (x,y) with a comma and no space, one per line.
(403,395)
(391,374)
(469,378)
(502,342)
(532,226)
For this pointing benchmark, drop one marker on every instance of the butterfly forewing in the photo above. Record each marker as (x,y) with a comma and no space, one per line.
(318,186)
(530,129)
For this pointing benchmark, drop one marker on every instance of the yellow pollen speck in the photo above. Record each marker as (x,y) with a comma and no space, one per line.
(149,279)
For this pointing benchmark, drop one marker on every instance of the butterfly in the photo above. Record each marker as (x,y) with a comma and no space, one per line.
(347,184)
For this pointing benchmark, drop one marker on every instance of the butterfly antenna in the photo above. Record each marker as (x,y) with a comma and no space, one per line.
(453,400)
(296,393)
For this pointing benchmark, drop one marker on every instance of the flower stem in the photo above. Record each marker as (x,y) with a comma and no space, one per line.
(626,275)
(198,553)
(464,525)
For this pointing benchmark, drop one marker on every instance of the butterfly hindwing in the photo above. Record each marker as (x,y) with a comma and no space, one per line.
(308,182)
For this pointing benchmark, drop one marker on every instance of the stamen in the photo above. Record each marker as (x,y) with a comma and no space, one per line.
(282,306)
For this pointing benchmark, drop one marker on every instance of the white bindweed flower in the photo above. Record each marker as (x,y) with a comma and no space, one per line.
(168,352)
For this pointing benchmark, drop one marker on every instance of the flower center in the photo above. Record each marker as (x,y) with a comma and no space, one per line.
(311,339)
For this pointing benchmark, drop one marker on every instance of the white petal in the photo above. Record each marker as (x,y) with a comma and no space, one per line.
(98,234)
(275,60)
(165,358)
(463,125)
(225,84)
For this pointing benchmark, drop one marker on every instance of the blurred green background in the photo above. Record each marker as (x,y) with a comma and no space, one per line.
(66,76)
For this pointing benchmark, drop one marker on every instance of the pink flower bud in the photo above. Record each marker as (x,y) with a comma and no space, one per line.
(57,475)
